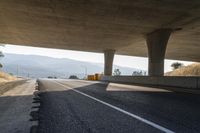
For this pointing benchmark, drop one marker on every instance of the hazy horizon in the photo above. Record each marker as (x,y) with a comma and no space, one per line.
(120,60)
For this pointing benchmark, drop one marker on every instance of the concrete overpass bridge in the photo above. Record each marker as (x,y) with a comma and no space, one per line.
(157,29)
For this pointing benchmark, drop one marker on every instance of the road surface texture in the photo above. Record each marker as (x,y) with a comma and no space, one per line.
(74,106)
(15,107)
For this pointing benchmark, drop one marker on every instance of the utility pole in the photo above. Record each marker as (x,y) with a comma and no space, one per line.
(17,70)
(85,71)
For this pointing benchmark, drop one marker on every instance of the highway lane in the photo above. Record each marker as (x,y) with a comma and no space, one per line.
(82,110)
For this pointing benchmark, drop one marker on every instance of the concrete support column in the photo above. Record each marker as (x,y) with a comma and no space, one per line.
(157,43)
(108,61)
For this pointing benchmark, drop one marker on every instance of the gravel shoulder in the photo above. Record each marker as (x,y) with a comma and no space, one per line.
(15,106)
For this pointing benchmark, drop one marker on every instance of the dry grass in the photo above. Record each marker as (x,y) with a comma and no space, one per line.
(5,77)
(190,70)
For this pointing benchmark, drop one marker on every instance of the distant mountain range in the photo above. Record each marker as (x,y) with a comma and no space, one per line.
(43,66)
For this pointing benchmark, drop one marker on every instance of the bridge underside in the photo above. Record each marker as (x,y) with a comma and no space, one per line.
(97,25)
(160,29)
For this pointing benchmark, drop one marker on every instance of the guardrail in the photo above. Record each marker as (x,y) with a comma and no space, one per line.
(169,81)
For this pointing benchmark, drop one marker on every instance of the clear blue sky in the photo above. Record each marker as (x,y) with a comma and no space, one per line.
(127,61)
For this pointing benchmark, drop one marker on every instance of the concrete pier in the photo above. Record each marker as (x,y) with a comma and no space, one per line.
(108,61)
(157,43)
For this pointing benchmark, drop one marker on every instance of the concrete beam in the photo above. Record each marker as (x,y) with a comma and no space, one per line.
(108,61)
(85,25)
(157,43)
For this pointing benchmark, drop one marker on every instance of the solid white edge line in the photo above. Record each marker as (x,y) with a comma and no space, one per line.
(121,110)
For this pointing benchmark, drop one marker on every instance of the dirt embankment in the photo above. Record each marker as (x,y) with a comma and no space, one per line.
(10,85)
(5,77)
(8,81)
(190,70)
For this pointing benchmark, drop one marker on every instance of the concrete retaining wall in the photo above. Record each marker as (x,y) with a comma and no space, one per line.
(183,82)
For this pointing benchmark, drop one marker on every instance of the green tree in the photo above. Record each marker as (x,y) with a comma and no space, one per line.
(176,65)
(117,72)
(73,77)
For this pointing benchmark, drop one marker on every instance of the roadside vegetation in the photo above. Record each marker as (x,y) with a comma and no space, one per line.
(73,77)
(117,72)
(176,65)
(190,70)
(5,77)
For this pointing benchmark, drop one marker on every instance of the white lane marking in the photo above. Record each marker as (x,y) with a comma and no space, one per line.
(121,110)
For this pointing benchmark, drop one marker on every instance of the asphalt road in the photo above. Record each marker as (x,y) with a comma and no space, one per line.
(73,106)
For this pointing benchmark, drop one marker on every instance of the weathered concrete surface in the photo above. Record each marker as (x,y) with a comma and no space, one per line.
(169,81)
(102,24)
(15,107)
